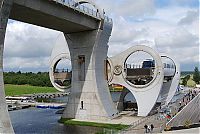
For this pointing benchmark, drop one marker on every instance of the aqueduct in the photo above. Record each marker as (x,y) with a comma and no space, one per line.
(87,33)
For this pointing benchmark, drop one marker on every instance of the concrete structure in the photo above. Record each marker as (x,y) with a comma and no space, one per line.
(164,80)
(145,95)
(87,32)
(60,51)
(171,79)
(190,113)
(89,96)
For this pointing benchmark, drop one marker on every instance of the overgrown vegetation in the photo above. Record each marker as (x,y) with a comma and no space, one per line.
(12,90)
(93,124)
(185,80)
(190,78)
(34,79)
(196,75)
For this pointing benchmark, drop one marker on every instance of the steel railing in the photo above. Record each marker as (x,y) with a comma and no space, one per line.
(83,9)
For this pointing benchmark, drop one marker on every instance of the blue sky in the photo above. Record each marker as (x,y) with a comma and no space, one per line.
(170,25)
(184,3)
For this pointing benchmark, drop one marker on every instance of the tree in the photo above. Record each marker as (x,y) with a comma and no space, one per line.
(185,80)
(187,77)
(196,76)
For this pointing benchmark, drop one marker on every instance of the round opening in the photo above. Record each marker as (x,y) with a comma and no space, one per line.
(62,73)
(130,103)
(169,67)
(139,68)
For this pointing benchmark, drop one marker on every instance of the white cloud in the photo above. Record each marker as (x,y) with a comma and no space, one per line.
(190,17)
(24,40)
(135,8)
(174,28)
(28,46)
(177,38)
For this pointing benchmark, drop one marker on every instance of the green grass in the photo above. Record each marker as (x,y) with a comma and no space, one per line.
(92,124)
(191,83)
(12,90)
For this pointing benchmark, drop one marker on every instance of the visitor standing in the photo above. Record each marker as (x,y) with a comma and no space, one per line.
(152,127)
(145,127)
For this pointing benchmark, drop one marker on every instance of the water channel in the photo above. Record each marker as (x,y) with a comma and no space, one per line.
(45,121)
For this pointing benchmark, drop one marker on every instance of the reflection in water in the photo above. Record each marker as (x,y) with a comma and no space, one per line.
(44,121)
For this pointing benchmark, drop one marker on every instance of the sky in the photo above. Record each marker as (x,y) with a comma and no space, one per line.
(171,26)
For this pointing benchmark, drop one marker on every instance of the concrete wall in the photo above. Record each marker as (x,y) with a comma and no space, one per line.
(5,125)
(92,88)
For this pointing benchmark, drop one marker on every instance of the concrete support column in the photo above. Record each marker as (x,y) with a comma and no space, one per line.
(120,105)
(5,124)
(89,97)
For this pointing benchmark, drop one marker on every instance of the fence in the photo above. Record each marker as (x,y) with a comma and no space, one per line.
(86,10)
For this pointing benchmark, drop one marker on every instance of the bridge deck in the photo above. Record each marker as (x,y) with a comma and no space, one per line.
(54,15)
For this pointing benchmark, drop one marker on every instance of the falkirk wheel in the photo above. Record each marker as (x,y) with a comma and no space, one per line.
(155,77)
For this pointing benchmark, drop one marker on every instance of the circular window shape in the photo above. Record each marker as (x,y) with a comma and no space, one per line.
(169,67)
(62,74)
(139,68)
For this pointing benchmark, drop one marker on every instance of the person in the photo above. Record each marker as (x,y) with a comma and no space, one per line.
(145,126)
(152,127)
(148,129)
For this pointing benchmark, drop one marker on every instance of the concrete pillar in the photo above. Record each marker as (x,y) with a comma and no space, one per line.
(120,105)
(89,98)
(5,124)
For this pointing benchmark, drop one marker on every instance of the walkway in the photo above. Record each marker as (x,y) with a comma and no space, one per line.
(184,131)
(158,124)
(190,113)
(159,120)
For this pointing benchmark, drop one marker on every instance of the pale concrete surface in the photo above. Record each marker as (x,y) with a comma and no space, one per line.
(52,15)
(89,98)
(191,113)
(145,95)
(159,123)
(184,131)
(5,125)
(140,128)
(126,120)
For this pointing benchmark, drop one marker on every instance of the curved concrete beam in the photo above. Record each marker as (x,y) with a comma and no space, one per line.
(59,52)
(175,80)
(89,98)
(145,95)
(5,124)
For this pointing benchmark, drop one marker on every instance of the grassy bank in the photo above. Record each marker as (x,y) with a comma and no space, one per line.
(92,124)
(190,82)
(26,89)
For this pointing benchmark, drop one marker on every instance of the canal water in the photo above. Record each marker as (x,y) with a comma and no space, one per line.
(45,121)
